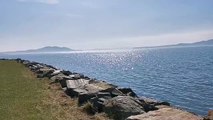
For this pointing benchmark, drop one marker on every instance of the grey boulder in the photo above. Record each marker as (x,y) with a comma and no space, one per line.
(166,114)
(121,107)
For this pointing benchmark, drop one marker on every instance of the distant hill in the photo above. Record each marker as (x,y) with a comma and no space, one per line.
(207,42)
(47,49)
(201,43)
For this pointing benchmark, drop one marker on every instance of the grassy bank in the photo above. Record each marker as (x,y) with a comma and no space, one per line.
(25,97)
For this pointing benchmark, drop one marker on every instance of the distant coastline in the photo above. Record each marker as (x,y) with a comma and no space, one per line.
(57,49)
(195,44)
(47,49)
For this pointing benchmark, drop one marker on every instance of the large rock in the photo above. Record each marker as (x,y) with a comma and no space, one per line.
(56,72)
(79,83)
(153,101)
(35,64)
(61,78)
(148,100)
(85,97)
(75,87)
(66,72)
(44,72)
(34,68)
(90,89)
(26,62)
(97,86)
(76,76)
(105,95)
(75,92)
(113,91)
(166,114)
(93,88)
(128,91)
(98,103)
(210,115)
(121,107)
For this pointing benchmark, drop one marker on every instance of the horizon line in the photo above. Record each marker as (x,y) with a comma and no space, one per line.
(135,47)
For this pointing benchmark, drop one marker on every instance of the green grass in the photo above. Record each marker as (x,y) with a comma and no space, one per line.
(24,97)
(20,93)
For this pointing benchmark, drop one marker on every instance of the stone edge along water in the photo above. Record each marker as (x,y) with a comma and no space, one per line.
(119,103)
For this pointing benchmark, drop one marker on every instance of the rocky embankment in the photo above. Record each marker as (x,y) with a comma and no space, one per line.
(118,103)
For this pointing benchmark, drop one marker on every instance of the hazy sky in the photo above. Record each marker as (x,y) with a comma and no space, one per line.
(90,24)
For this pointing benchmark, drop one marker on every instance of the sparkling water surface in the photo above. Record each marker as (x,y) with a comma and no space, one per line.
(182,76)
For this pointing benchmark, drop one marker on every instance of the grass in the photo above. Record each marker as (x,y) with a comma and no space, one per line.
(88,108)
(25,97)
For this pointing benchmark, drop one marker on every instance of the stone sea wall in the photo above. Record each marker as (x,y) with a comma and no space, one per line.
(118,103)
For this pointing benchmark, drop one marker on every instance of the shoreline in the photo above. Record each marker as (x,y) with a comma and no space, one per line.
(118,103)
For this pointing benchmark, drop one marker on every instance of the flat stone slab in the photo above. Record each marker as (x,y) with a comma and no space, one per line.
(97,86)
(166,114)
(79,83)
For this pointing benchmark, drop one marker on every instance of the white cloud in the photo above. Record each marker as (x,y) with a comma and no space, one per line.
(41,1)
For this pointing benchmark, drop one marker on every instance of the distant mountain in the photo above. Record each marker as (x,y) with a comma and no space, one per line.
(201,43)
(47,49)
(207,42)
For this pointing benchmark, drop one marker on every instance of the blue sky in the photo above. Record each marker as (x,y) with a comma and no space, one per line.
(97,24)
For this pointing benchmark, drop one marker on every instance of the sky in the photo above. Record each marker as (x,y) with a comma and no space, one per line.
(103,24)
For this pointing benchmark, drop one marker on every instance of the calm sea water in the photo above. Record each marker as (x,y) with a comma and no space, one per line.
(182,76)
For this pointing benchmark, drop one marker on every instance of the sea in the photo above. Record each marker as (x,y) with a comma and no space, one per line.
(182,76)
